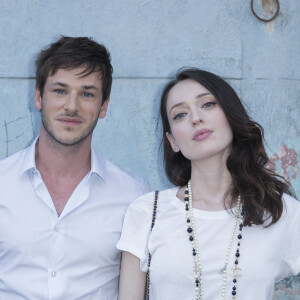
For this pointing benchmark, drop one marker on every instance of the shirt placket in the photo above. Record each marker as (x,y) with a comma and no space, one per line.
(55,282)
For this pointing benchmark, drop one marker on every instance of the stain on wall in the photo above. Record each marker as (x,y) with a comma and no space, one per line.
(286,162)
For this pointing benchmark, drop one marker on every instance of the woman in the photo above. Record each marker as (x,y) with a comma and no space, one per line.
(230,229)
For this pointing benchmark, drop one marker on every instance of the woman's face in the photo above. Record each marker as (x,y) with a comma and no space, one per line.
(199,127)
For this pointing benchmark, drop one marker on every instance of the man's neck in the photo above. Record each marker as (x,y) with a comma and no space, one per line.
(59,160)
(62,168)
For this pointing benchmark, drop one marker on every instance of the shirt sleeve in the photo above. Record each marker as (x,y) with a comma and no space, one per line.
(136,229)
(291,261)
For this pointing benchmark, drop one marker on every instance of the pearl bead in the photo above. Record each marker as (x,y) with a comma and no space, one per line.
(194,242)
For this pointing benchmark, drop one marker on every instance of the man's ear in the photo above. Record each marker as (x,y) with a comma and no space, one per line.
(103,109)
(37,99)
(172,142)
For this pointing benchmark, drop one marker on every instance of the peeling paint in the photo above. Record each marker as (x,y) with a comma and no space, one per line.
(288,288)
(288,158)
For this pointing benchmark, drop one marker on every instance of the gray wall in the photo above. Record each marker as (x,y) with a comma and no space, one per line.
(149,41)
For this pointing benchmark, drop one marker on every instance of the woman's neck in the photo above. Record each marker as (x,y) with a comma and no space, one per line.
(210,183)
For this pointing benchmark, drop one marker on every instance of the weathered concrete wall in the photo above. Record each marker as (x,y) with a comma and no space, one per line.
(149,41)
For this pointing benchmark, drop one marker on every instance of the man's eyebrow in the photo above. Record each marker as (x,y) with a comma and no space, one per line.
(59,83)
(90,87)
(85,87)
(182,103)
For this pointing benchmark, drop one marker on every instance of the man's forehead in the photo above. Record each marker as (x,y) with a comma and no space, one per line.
(75,75)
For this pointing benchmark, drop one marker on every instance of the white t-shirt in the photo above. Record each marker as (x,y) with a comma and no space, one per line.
(267,254)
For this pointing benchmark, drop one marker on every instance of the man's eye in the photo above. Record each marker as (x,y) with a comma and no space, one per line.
(59,91)
(87,95)
(209,104)
(179,116)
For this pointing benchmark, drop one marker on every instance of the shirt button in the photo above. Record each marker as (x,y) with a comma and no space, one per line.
(53,274)
(34,171)
(56,228)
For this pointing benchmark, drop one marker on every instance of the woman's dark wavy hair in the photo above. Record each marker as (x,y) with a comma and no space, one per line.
(259,187)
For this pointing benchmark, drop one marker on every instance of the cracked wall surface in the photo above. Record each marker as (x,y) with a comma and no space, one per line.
(149,40)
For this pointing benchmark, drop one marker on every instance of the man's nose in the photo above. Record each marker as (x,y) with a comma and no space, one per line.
(71,103)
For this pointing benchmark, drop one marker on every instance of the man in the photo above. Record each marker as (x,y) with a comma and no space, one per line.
(61,204)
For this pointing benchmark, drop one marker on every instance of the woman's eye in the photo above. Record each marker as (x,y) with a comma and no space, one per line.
(209,104)
(179,116)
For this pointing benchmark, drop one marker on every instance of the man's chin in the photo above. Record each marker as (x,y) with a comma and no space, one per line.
(67,141)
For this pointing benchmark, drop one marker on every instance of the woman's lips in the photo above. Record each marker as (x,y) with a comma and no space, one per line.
(201,134)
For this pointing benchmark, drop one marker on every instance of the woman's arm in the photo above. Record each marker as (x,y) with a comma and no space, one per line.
(132,279)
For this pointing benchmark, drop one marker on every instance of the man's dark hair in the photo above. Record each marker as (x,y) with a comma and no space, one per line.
(73,52)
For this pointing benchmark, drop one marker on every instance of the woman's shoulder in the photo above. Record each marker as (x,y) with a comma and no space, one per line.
(146,201)
(291,207)
(290,201)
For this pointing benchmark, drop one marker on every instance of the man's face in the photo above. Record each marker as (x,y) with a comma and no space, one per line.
(70,106)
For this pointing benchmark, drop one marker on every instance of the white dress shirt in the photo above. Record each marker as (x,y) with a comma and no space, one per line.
(67,257)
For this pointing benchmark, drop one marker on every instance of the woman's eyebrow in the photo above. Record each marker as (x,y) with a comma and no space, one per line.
(181,103)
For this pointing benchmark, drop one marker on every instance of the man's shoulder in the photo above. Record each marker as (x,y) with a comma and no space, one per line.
(11,162)
(117,174)
(117,177)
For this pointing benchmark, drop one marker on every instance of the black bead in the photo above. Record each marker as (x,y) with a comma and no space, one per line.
(239,244)
(234,280)
(241,225)
(237,254)
(191,238)
(186,192)
(186,198)
(234,288)
(239,236)
(236,262)
(233,293)
(186,208)
(188,220)
(189,230)
(197,281)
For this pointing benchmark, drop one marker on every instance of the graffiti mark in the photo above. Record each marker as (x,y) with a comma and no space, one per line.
(10,126)
(31,121)
(288,159)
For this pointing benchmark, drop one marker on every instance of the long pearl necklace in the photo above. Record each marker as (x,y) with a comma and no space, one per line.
(195,248)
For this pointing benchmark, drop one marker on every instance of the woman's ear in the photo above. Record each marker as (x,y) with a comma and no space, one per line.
(172,142)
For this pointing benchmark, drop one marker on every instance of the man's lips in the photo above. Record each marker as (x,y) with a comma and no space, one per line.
(202,134)
(70,120)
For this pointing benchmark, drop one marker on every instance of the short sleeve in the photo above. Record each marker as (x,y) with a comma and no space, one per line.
(291,261)
(136,229)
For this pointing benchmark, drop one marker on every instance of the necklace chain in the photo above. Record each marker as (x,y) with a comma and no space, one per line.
(199,287)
